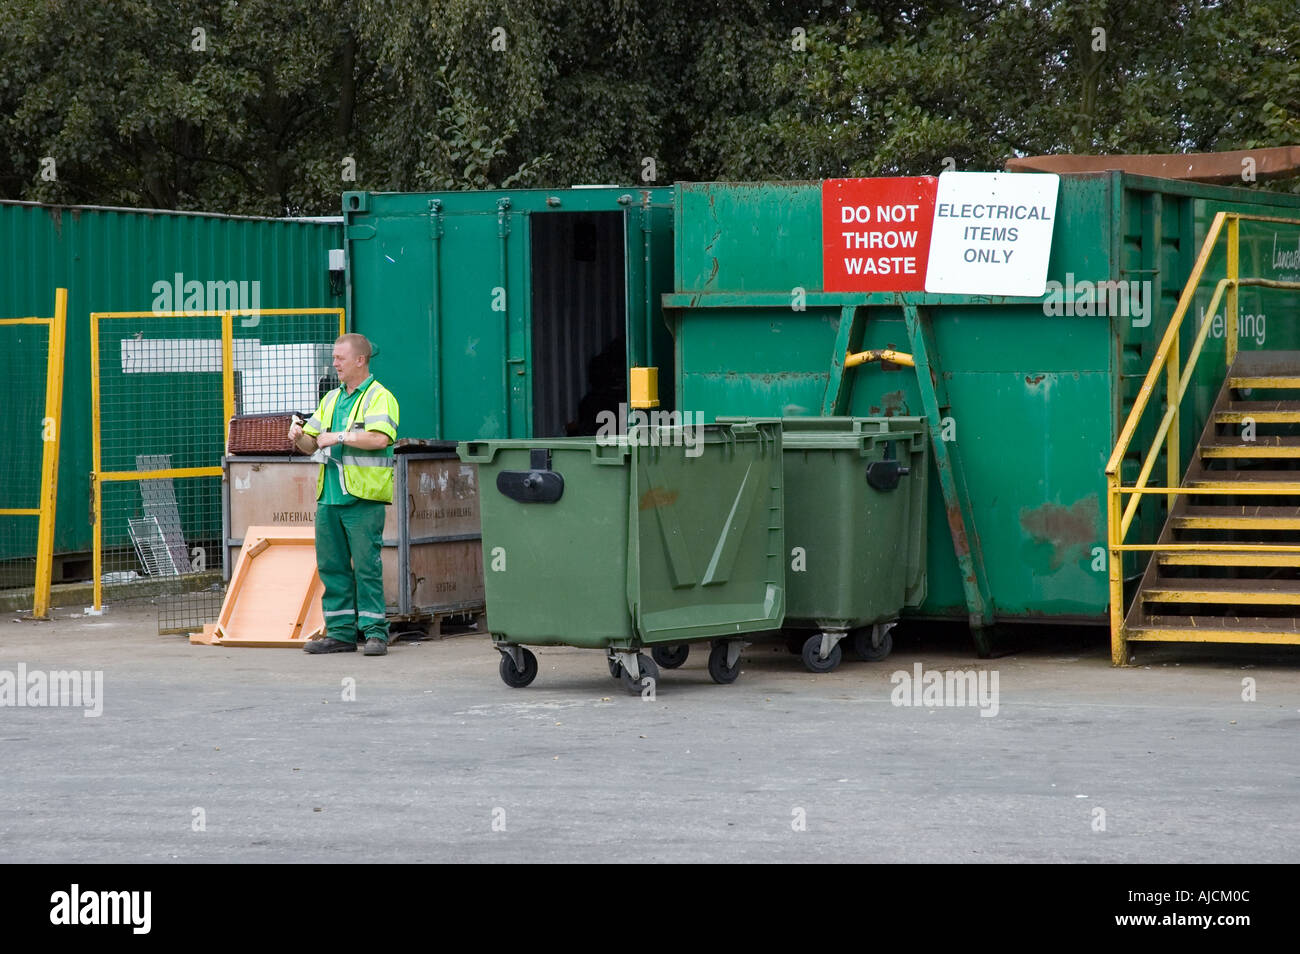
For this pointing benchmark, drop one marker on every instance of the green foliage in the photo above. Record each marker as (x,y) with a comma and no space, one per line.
(287,95)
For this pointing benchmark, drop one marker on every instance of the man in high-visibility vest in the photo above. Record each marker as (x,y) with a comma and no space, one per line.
(357,424)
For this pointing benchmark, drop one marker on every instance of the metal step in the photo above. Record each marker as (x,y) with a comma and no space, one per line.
(1265,369)
(1216,629)
(1265,381)
(1247,488)
(1259,592)
(1264,445)
(1261,412)
(1219,558)
(1266,480)
(1237,518)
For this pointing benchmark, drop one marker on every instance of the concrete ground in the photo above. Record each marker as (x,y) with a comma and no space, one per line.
(436,760)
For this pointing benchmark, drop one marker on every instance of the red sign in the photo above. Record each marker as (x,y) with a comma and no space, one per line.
(876,233)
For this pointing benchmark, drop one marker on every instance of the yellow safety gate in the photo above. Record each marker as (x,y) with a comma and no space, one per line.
(50,427)
(186,400)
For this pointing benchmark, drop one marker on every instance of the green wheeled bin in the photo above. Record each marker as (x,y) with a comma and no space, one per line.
(657,539)
(854,529)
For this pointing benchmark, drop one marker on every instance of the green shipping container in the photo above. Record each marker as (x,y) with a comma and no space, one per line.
(511,313)
(643,540)
(118,260)
(1025,400)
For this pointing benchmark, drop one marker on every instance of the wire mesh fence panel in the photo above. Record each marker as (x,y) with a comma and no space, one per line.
(161,435)
(22,443)
(166,386)
(283,363)
(170,551)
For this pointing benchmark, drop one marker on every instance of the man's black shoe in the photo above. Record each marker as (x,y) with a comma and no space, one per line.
(375,647)
(329,645)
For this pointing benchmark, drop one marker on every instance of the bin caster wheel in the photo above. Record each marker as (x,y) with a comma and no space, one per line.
(863,649)
(719,672)
(670,657)
(648,671)
(513,676)
(812,658)
(615,670)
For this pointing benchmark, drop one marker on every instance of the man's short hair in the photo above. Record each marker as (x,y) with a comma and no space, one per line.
(359,344)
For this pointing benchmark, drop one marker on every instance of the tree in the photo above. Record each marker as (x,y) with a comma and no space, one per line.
(277,106)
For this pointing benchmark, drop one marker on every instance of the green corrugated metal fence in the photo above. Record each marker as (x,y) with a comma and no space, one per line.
(119,260)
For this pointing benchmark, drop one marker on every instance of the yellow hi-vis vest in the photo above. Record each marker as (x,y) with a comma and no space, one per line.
(367,474)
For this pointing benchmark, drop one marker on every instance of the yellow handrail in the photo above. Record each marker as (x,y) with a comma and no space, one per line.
(1167,360)
(1166,344)
(1171,412)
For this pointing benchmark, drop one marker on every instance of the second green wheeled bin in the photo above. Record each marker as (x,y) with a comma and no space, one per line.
(654,539)
(854,529)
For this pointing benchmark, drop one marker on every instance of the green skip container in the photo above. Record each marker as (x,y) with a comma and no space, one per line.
(854,530)
(654,539)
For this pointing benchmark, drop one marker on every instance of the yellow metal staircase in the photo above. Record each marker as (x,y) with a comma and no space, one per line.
(1226,565)
(1250,453)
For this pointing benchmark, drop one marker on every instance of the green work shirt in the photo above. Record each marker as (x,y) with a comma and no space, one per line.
(334,493)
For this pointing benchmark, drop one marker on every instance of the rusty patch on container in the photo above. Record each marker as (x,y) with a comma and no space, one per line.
(657,497)
(1069,531)
(894,403)
(1034,378)
(957,527)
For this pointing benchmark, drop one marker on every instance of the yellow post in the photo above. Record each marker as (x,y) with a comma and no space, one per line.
(1230,306)
(97,497)
(227,370)
(51,426)
(1118,645)
(1173,395)
(342,321)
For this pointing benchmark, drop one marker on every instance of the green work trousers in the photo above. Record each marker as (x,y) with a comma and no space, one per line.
(349,548)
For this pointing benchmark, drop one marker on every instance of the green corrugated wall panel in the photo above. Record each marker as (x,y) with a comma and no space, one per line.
(109,260)
(749,237)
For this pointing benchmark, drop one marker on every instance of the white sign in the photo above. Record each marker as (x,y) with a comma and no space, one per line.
(992,233)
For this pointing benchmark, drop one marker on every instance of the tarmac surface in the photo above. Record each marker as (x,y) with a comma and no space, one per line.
(255,755)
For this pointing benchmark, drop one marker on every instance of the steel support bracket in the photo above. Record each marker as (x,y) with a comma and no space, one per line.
(830,639)
(628,660)
(839,386)
(516,654)
(952,478)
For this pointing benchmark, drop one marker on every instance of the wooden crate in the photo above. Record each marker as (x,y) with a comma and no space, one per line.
(433,561)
